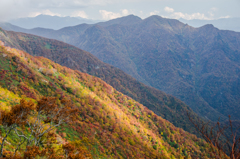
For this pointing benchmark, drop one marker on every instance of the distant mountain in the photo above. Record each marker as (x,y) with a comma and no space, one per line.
(10,27)
(223,23)
(201,66)
(167,106)
(51,22)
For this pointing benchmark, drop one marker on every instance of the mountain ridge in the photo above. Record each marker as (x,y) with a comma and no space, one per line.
(51,22)
(170,56)
(222,23)
(128,20)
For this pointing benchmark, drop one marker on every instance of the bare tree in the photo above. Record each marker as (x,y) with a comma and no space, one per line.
(222,143)
(40,120)
(17,116)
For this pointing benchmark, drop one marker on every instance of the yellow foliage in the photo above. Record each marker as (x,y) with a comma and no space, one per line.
(7,98)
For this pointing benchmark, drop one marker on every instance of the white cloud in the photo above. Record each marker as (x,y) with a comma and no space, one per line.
(109,15)
(125,12)
(211,12)
(168,9)
(177,15)
(225,17)
(44,12)
(106,15)
(11,9)
(34,14)
(80,13)
(154,12)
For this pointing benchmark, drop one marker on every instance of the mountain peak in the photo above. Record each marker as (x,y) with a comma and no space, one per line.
(156,16)
(208,27)
(127,20)
(159,18)
(44,15)
(132,16)
(169,24)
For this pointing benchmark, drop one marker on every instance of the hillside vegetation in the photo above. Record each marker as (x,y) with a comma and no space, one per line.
(109,125)
(166,106)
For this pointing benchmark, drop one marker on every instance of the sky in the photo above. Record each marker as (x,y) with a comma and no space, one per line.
(111,9)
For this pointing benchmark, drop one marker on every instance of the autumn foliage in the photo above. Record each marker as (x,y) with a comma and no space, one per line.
(40,119)
(74,113)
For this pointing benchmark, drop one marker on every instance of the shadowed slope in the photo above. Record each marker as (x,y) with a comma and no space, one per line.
(200,66)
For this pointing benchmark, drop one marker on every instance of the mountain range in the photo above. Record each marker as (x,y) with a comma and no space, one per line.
(200,66)
(50,22)
(222,23)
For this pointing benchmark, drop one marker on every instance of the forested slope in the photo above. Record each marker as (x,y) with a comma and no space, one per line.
(109,125)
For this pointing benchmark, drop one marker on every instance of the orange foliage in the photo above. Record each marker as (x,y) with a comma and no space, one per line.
(18,114)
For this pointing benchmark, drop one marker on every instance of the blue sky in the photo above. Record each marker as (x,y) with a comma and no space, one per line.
(110,9)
